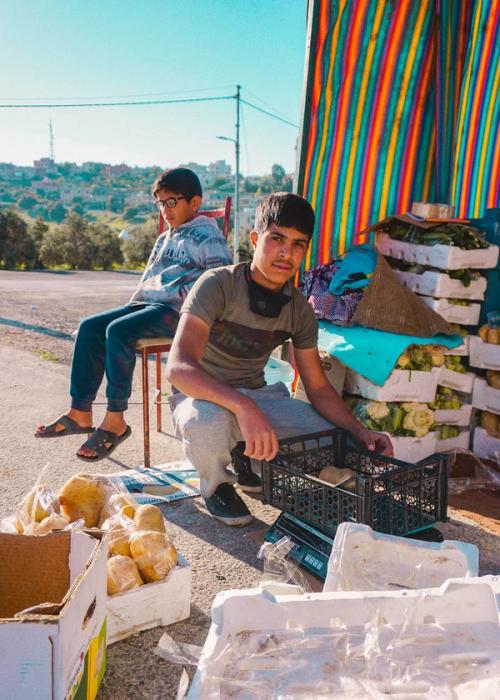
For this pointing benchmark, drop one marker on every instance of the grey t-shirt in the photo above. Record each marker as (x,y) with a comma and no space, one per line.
(241,341)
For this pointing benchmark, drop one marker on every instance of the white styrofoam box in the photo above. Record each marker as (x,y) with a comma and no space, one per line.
(457,416)
(402,385)
(466,315)
(460,442)
(484,355)
(445,257)
(439,284)
(461,350)
(55,647)
(456,380)
(413,449)
(365,560)
(154,604)
(485,397)
(485,446)
(432,642)
(335,372)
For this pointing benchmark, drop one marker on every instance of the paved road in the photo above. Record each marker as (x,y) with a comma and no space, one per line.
(33,389)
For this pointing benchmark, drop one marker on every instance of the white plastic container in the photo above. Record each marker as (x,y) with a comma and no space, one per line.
(460,442)
(466,315)
(456,380)
(439,284)
(445,257)
(457,416)
(414,449)
(485,446)
(484,355)
(485,397)
(461,350)
(364,560)
(152,605)
(352,644)
(402,385)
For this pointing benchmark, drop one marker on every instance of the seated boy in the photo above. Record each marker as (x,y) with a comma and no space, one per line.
(106,343)
(230,322)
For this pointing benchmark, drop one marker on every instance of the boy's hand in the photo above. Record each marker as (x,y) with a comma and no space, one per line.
(376,442)
(258,433)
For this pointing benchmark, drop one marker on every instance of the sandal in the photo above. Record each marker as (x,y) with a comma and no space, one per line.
(71,427)
(98,441)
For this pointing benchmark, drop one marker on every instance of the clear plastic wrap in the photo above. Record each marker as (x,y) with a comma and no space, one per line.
(278,567)
(484,476)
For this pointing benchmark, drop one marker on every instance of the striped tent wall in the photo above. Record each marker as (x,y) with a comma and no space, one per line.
(384,92)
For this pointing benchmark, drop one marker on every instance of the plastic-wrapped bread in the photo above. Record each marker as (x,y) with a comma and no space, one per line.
(54,521)
(154,555)
(118,503)
(148,517)
(123,575)
(37,505)
(83,497)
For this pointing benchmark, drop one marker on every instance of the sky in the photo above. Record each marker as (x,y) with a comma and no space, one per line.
(52,51)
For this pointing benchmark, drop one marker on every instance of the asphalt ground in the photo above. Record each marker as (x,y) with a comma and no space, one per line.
(38,312)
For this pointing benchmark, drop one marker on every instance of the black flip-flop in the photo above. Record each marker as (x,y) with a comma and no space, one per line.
(97,442)
(71,427)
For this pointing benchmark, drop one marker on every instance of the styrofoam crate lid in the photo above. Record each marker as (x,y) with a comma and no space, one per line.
(353,644)
(485,397)
(461,350)
(460,442)
(440,284)
(466,315)
(414,449)
(456,380)
(484,355)
(457,416)
(401,385)
(365,560)
(485,446)
(442,256)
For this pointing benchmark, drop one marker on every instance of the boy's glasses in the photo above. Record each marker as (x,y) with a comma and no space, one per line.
(169,203)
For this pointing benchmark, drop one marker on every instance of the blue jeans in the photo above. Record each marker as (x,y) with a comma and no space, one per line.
(105,343)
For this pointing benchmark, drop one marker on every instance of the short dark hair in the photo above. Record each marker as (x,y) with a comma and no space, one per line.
(178,180)
(284,209)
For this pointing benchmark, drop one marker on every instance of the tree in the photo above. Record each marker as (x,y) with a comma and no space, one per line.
(107,246)
(277,176)
(70,244)
(27,202)
(37,232)
(57,213)
(137,248)
(16,245)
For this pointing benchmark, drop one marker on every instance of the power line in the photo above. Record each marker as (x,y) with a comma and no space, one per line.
(119,97)
(269,114)
(115,104)
(259,99)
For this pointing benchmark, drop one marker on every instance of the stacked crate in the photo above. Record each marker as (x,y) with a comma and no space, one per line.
(486,398)
(441,292)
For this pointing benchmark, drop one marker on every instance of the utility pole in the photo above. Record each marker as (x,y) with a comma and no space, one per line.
(237,180)
(51,140)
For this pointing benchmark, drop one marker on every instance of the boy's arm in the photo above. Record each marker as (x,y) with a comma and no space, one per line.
(326,401)
(186,374)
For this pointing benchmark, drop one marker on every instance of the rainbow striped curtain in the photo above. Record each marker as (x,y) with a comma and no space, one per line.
(402,104)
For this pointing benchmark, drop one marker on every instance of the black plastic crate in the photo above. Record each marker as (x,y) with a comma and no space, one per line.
(390,496)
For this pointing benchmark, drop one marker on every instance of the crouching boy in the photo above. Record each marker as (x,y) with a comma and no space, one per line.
(230,322)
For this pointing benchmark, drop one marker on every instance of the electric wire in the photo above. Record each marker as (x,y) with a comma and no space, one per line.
(116,104)
(259,99)
(269,114)
(118,97)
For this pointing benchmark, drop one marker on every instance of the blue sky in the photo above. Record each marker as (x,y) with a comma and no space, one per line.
(172,49)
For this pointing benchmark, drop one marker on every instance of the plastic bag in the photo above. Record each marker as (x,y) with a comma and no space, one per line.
(484,477)
(278,567)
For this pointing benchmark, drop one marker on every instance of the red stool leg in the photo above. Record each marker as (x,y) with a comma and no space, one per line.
(145,407)
(158,392)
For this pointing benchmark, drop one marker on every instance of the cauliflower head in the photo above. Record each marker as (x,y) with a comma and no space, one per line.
(377,410)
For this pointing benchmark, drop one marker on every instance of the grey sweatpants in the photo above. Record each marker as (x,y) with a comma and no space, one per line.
(209,432)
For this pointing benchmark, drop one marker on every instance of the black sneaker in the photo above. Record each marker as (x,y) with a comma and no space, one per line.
(228,507)
(247,479)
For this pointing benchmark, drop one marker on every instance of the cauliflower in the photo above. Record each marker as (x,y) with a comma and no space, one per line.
(403,360)
(377,410)
(437,356)
(418,419)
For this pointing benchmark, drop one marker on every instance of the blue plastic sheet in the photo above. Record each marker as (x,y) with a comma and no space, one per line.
(370,352)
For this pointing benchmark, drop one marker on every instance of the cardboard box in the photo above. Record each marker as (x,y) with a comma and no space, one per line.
(160,603)
(335,372)
(52,616)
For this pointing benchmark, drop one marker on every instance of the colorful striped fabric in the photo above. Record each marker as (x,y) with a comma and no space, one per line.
(385,90)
